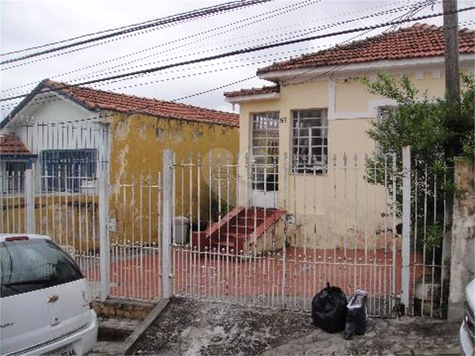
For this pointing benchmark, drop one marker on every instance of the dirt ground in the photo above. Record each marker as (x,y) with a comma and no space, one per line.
(189,327)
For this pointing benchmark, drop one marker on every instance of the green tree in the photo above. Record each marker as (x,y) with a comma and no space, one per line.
(421,122)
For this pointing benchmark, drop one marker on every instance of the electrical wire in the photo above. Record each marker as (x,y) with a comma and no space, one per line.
(212,89)
(332,71)
(206,72)
(252,49)
(174,49)
(266,16)
(230,43)
(81,36)
(170,19)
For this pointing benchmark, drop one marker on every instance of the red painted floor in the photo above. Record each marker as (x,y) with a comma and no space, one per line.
(271,280)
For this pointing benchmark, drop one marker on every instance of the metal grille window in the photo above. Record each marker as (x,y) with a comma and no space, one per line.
(67,170)
(310,141)
(14,181)
(265,151)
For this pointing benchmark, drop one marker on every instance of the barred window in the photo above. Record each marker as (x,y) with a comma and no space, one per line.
(310,141)
(67,170)
(13,181)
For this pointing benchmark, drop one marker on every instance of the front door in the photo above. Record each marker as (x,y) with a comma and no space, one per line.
(265,159)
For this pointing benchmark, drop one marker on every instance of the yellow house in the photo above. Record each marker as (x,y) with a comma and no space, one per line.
(306,134)
(72,133)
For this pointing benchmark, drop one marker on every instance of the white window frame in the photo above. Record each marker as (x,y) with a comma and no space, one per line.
(264,178)
(309,141)
(68,170)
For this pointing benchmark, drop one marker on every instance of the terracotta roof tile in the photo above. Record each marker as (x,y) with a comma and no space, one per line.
(420,40)
(94,99)
(10,144)
(253,91)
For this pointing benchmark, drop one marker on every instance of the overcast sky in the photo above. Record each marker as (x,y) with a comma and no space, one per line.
(25,24)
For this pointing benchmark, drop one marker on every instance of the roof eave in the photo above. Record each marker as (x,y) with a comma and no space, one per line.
(22,104)
(304,73)
(244,98)
(17,156)
(38,90)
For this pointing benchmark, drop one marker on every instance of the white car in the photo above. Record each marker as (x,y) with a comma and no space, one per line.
(467,332)
(45,301)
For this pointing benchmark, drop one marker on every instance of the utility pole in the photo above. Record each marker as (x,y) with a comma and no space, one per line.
(452,146)
(452,79)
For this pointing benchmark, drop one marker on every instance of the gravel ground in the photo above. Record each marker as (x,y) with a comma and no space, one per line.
(189,327)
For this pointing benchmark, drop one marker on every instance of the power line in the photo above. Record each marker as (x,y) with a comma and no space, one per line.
(277,11)
(187,75)
(79,37)
(287,9)
(213,89)
(250,50)
(282,10)
(53,98)
(167,20)
(233,44)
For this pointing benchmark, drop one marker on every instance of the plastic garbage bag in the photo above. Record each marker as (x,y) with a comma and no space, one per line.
(329,309)
(357,317)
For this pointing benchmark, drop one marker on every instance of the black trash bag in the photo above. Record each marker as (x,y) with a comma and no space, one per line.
(329,309)
(357,317)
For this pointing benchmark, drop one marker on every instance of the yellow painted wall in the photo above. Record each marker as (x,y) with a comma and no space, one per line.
(351,96)
(137,145)
(71,220)
(325,215)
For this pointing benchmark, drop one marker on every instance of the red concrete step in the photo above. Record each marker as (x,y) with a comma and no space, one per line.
(260,212)
(249,220)
(241,229)
(237,226)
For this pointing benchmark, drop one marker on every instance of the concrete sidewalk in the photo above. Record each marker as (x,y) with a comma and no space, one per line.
(190,327)
(403,336)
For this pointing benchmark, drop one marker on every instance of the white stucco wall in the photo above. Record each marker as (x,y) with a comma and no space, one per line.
(51,122)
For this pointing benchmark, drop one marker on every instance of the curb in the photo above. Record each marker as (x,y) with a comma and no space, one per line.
(132,338)
(433,352)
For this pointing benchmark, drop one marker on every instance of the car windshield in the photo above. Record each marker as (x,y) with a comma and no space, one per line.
(28,265)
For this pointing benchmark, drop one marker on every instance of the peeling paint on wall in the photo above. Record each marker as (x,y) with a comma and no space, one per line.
(120,129)
(177,135)
(137,158)
(197,135)
(120,161)
(142,131)
(159,134)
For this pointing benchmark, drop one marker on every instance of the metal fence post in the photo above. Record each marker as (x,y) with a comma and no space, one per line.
(167,218)
(104,232)
(29,180)
(406,224)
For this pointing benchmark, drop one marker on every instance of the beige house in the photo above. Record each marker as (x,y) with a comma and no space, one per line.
(295,133)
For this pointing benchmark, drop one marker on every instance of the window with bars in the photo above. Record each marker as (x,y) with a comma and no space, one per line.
(14,181)
(309,141)
(67,170)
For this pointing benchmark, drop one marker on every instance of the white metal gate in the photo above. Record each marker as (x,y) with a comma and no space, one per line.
(189,230)
(357,238)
